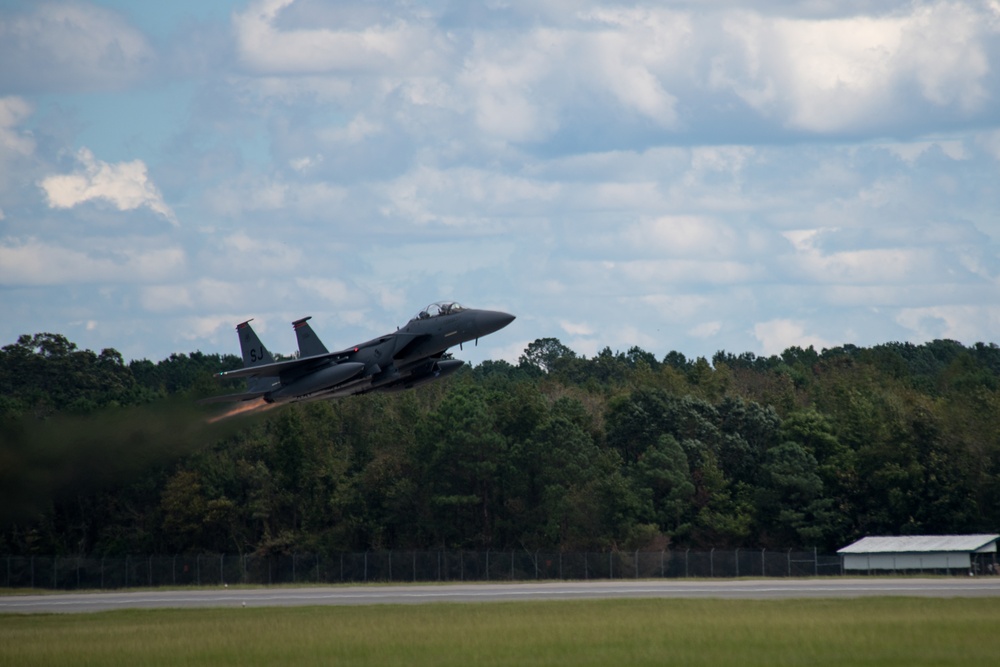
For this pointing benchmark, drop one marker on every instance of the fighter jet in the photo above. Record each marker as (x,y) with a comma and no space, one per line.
(410,356)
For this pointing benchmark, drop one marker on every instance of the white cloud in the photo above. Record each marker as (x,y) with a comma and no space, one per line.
(828,75)
(910,151)
(705,329)
(70,46)
(165,298)
(251,194)
(640,52)
(359,129)
(613,174)
(240,254)
(503,73)
(576,329)
(397,46)
(125,184)
(13,110)
(989,142)
(776,336)
(686,237)
(333,291)
(652,275)
(213,327)
(965,323)
(463,197)
(34,262)
(305,163)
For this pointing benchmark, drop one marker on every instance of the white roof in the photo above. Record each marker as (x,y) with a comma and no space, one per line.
(918,544)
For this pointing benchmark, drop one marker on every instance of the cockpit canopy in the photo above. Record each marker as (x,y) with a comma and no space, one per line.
(440,308)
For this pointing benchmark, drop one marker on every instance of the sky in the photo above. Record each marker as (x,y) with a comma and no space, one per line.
(693,176)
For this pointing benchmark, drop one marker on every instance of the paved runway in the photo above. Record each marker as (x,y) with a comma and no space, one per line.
(758,589)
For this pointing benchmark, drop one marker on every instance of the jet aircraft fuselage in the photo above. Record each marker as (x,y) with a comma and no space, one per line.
(410,356)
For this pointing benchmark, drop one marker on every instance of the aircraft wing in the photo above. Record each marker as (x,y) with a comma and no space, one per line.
(403,341)
(278,367)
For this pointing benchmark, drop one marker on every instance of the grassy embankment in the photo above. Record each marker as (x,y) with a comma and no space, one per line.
(883,631)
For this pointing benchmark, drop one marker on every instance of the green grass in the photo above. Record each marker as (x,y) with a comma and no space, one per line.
(879,631)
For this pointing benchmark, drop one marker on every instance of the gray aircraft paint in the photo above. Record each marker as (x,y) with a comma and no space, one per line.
(408,357)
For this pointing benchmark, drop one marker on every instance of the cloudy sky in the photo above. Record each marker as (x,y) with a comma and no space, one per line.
(693,176)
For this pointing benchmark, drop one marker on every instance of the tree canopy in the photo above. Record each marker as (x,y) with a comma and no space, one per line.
(619,451)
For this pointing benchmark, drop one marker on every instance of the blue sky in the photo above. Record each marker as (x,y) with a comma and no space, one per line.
(691,176)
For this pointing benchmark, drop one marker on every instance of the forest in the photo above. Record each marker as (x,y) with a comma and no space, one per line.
(621,451)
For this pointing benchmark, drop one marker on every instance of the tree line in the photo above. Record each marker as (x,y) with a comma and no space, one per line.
(558,452)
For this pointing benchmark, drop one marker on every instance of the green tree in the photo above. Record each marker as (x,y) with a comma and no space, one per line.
(662,478)
(544,354)
(464,460)
(791,507)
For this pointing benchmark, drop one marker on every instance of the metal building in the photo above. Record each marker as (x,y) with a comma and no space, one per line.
(922,553)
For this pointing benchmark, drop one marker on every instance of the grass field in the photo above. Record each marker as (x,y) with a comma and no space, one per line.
(874,631)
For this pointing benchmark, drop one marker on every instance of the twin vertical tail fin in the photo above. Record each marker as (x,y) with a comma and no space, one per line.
(254,354)
(309,344)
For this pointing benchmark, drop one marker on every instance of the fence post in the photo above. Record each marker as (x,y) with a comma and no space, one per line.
(611,565)
(150,571)
(414,566)
(815,562)
(55,570)
(687,554)
(487,565)
(711,563)
(789,562)
(126,570)
(102,572)
(736,558)
(636,563)
(763,563)
(662,572)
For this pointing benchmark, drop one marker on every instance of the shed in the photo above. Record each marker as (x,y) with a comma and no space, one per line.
(975,553)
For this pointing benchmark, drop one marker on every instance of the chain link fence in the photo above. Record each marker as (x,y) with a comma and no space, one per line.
(58,572)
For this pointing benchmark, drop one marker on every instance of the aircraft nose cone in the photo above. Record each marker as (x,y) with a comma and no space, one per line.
(488,321)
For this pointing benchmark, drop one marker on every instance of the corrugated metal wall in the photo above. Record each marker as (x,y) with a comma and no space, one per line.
(907,561)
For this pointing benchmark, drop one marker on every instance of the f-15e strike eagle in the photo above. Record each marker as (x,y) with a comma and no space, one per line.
(406,358)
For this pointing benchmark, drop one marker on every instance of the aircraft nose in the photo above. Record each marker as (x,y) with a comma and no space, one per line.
(488,321)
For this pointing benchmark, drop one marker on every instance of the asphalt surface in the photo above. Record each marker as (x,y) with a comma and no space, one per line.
(756,589)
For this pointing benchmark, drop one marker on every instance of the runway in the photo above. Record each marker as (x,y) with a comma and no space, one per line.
(757,589)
